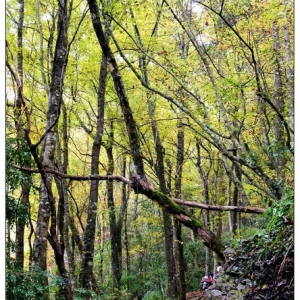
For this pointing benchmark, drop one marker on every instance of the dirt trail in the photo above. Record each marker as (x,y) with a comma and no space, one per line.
(200,295)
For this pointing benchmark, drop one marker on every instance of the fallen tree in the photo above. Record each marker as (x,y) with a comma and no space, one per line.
(243,209)
(173,206)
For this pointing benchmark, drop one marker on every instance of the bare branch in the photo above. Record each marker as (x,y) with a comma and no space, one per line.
(76,177)
(244,209)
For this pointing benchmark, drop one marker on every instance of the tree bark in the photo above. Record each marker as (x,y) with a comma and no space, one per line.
(244,209)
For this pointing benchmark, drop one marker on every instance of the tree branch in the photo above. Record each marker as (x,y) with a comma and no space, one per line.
(244,209)
(138,185)
(76,177)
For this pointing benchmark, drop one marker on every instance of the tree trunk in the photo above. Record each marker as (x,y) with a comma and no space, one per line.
(289,70)
(235,198)
(115,230)
(279,103)
(26,183)
(178,243)
(171,205)
(204,178)
(126,245)
(171,290)
(47,203)
(101,225)
(86,273)
(63,214)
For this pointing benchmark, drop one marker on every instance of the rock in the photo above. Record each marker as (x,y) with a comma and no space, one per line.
(215,294)
(247,282)
(228,252)
(233,295)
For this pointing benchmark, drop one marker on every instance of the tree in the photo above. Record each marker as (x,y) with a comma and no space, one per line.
(115,221)
(20,230)
(178,242)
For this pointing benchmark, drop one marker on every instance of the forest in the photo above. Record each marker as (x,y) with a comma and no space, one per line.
(147,144)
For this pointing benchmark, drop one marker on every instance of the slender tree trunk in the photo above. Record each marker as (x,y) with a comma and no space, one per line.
(235,198)
(289,70)
(66,231)
(178,243)
(220,224)
(126,240)
(86,273)
(47,203)
(63,214)
(101,226)
(229,203)
(232,197)
(20,226)
(115,223)
(115,230)
(279,103)
(172,291)
(25,185)
(204,178)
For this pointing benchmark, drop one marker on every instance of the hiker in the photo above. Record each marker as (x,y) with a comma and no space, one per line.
(207,281)
(219,267)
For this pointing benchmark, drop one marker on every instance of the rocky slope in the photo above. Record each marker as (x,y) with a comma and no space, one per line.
(260,268)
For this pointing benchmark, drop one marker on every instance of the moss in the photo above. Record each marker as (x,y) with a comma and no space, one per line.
(166,202)
(210,239)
